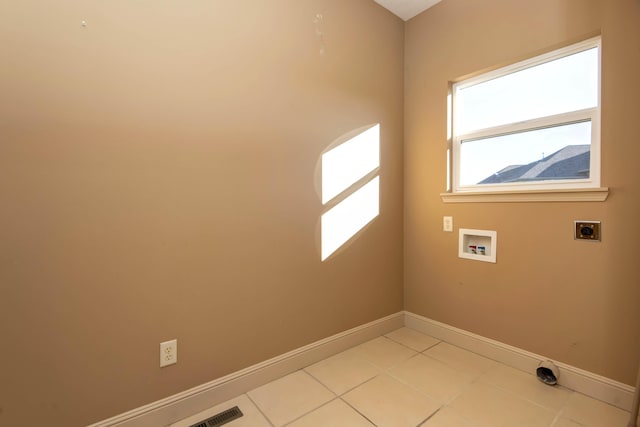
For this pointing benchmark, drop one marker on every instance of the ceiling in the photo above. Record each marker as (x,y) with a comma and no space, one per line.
(407,9)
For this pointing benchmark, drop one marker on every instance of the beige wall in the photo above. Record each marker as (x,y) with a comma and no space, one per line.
(576,302)
(157,182)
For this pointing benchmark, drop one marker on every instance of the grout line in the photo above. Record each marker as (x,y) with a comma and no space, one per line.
(321,383)
(356,409)
(411,386)
(556,419)
(335,396)
(418,332)
(353,387)
(430,416)
(358,356)
(446,362)
(259,409)
(381,368)
(309,412)
(526,399)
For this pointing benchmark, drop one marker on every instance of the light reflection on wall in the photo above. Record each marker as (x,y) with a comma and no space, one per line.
(350,189)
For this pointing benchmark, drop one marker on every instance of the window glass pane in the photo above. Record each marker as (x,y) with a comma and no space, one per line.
(349,162)
(559,86)
(348,217)
(554,153)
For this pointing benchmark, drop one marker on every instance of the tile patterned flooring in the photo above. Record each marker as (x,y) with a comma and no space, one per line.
(406,378)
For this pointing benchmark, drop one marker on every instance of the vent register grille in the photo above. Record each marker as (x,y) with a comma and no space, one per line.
(223,417)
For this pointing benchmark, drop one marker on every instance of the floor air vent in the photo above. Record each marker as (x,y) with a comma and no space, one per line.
(221,418)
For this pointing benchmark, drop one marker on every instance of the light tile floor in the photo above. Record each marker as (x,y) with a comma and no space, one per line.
(406,378)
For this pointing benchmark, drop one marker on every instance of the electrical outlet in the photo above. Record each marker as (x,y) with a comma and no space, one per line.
(587,230)
(447,223)
(168,353)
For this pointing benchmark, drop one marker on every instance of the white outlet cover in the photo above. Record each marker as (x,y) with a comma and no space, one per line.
(447,223)
(168,353)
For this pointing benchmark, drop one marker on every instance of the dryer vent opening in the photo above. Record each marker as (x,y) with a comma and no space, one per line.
(548,373)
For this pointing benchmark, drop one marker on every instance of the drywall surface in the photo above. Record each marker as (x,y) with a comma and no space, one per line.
(574,301)
(158,180)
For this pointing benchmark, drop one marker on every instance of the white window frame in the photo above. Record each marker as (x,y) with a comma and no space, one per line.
(590,114)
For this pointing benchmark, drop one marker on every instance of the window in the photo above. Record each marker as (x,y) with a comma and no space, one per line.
(534,125)
(350,189)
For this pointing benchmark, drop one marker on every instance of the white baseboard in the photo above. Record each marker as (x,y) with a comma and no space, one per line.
(197,399)
(590,384)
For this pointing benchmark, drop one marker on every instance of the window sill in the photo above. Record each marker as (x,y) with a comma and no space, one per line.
(573,195)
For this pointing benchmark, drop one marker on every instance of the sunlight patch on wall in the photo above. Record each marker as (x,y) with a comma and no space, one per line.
(348,217)
(342,167)
(350,161)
